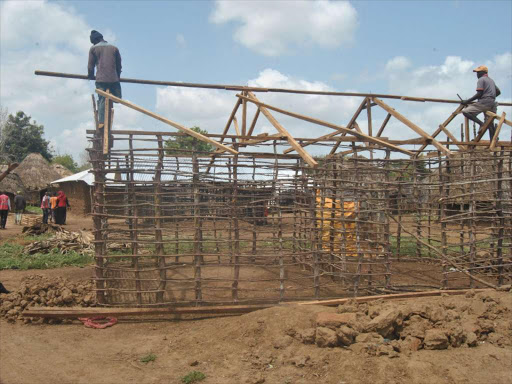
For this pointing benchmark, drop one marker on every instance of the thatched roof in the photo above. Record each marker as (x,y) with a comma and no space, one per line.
(36,173)
(12,182)
(62,170)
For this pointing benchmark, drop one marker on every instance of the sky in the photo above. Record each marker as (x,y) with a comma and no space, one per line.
(414,48)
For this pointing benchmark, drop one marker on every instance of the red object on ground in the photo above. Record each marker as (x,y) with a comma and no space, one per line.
(91,322)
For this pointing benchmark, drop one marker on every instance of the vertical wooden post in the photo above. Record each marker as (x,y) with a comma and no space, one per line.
(244,114)
(443,181)
(499,215)
(197,233)
(466,129)
(387,210)
(96,158)
(234,212)
(159,246)
(106,126)
(472,211)
(134,223)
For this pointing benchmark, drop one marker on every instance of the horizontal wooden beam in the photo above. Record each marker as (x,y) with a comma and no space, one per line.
(182,128)
(75,312)
(397,296)
(253,89)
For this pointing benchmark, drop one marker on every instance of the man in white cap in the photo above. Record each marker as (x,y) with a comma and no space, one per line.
(486,93)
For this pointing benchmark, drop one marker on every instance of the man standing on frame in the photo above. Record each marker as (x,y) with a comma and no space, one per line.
(107,59)
(486,93)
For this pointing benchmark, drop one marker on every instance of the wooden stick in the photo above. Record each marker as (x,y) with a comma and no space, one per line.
(106,125)
(384,123)
(334,126)
(483,128)
(444,124)
(167,121)
(306,156)
(413,126)
(75,312)
(497,133)
(492,114)
(397,296)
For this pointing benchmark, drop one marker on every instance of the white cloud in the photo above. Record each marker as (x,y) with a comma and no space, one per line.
(180,39)
(398,63)
(283,26)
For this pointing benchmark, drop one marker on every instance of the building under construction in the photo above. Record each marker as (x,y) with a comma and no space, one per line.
(260,220)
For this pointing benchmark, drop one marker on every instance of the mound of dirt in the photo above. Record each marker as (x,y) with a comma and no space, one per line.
(389,328)
(39,291)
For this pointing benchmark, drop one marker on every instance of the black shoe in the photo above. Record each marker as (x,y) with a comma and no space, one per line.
(3,289)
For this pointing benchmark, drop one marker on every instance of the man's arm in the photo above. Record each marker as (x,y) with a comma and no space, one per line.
(91,64)
(476,96)
(498,92)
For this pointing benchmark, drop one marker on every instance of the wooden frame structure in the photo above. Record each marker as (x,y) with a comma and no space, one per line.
(260,220)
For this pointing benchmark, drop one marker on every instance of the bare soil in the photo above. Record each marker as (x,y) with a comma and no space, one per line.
(253,348)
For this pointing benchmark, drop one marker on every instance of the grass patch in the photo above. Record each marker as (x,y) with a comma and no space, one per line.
(32,209)
(146,359)
(13,257)
(193,377)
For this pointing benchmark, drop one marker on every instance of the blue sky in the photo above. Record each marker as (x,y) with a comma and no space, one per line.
(423,48)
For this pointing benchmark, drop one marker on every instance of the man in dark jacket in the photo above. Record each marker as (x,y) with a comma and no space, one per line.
(19,207)
(107,59)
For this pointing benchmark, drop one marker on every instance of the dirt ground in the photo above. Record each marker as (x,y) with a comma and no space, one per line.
(259,347)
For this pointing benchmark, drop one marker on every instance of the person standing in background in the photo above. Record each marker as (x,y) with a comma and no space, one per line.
(5,207)
(45,206)
(19,207)
(53,208)
(62,205)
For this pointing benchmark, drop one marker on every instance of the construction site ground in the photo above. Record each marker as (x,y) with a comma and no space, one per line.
(267,346)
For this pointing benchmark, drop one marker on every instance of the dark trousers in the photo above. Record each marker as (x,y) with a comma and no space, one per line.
(3,217)
(60,215)
(114,88)
(46,213)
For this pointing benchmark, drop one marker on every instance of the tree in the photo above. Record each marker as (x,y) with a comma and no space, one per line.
(66,161)
(21,137)
(179,143)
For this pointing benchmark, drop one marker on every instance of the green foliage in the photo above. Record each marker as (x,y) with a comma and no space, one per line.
(66,161)
(179,143)
(193,377)
(33,209)
(146,359)
(13,257)
(21,137)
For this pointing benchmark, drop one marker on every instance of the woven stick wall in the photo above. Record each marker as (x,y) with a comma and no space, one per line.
(264,227)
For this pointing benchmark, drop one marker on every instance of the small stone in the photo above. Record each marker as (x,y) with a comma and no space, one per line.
(346,335)
(372,337)
(326,337)
(471,339)
(193,363)
(385,323)
(410,343)
(435,339)
(335,320)
(308,335)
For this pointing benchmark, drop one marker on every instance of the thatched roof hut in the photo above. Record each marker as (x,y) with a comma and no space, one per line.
(62,170)
(11,184)
(36,173)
